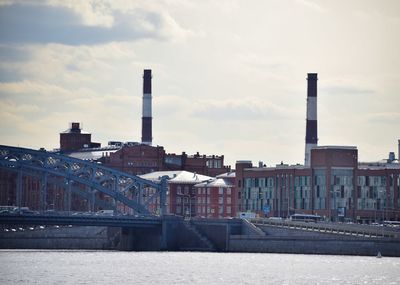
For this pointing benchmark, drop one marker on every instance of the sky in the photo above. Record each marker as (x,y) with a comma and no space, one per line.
(229,76)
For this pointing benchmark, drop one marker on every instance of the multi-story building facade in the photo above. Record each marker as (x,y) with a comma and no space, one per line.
(211,165)
(182,194)
(336,187)
(217,198)
(137,159)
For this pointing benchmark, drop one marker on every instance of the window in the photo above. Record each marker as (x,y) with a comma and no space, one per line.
(228,210)
(208,191)
(228,191)
(221,191)
(221,200)
(228,200)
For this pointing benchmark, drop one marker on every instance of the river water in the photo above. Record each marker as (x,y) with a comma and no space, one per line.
(113,267)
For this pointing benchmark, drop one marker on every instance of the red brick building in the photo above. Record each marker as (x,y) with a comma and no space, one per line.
(217,198)
(74,138)
(137,159)
(182,195)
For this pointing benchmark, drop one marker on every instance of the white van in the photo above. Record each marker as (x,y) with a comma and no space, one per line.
(105,213)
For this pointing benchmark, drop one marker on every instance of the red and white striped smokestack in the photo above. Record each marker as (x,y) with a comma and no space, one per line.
(311,127)
(146,110)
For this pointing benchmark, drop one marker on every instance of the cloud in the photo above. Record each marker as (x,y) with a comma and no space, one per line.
(78,23)
(93,13)
(346,90)
(41,90)
(389,118)
(311,5)
(239,110)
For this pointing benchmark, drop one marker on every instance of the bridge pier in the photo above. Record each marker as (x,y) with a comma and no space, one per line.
(126,239)
(141,238)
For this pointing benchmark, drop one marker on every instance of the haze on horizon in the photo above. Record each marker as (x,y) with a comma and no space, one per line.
(229,76)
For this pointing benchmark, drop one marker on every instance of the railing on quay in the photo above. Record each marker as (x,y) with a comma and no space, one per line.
(330,228)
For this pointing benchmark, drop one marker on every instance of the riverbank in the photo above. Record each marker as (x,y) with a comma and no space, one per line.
(202,235)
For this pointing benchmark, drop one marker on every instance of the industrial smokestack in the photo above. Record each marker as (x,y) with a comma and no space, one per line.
(146,111)
(398,153)
(311,127)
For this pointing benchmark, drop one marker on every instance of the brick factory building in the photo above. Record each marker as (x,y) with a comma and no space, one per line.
(74,139)
(136,158)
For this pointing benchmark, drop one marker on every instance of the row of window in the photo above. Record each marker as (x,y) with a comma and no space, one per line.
(208,210)
(203,200)
(142,163)
(338,177)
(282,180)
(214,163)
(221,191)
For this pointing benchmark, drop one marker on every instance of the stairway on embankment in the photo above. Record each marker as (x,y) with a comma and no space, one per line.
(193,240)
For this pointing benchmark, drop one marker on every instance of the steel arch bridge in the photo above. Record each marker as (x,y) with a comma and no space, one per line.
(121,187)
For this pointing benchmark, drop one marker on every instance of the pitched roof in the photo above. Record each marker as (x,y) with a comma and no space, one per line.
(179,176)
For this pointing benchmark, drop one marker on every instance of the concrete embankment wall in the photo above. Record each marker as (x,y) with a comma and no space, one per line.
(58,238)
(279,232)
(314,245)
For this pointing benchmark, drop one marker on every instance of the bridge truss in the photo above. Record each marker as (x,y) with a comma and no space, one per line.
(87,179)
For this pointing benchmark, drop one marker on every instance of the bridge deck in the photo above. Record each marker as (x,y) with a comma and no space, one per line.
(81,220)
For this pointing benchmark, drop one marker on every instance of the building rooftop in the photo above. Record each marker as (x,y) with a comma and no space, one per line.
(383,164)
(231,174)
(216,182)
(278,166)
(243,161)
(91,153)
(334,147)
(179,176)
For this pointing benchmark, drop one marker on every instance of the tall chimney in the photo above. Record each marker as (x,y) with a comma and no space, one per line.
(311,127)
(146,111)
